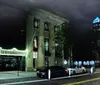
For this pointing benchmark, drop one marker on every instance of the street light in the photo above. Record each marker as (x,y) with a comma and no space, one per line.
(56,44)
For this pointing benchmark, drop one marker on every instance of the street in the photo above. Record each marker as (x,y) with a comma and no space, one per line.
(91,79)
(81,79)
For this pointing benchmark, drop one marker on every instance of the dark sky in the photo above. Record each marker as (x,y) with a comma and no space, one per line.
(13,14)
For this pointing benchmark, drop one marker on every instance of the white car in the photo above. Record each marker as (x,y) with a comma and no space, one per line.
(77,70)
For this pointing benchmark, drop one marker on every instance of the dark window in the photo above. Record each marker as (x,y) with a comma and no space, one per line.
(46,26)
(55,28)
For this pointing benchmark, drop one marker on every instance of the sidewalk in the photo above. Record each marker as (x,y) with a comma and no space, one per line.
(96,69)
(21,76)
(16,74)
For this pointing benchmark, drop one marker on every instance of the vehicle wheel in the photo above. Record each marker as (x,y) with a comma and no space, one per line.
(74,72)
(45,76)
(41,76)
(83,71)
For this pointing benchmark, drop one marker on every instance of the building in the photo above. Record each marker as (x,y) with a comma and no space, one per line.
(96,38)
(96,24)
(12,59)
(40,42)
(41,27)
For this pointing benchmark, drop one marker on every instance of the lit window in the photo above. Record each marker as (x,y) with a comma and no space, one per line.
(35,44)
(34,54)
(46,46)
(36,23)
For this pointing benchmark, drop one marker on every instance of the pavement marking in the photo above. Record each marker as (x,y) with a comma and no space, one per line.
(67,77)
(84,81)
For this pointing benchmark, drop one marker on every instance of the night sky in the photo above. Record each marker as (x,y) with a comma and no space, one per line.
(13,15)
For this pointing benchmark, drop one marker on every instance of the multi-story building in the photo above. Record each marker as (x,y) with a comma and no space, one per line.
(40,42)
(96,38)
(41,27)
(96,24)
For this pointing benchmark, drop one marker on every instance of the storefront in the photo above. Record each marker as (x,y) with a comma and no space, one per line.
(12,59)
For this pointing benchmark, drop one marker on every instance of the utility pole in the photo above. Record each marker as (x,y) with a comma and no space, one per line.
(72,54)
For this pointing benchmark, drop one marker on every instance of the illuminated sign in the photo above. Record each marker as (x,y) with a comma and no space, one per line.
(35,43)
(96,20)
(13,52)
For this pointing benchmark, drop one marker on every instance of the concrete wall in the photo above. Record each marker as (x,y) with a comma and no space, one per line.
(43,16)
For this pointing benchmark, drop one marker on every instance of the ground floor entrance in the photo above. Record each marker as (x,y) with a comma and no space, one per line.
(12,63)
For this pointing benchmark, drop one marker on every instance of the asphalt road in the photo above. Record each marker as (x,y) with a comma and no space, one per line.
(86,79)
(93,79)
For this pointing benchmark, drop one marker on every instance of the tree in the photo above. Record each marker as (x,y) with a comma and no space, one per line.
(61,38)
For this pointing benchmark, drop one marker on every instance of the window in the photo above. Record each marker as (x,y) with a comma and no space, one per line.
(46,46)
(35,44)
(46,26)
(36,23)
(96,24)
(55,28)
